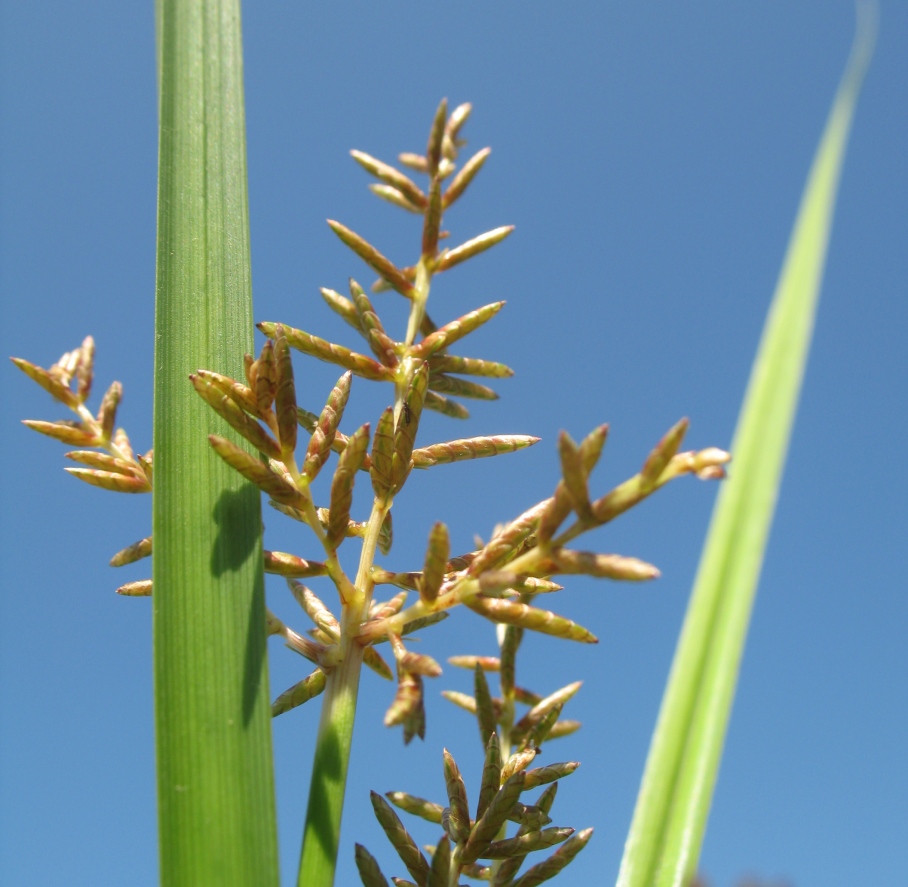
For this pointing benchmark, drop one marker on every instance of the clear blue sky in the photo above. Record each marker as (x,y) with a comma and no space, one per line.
(652,159)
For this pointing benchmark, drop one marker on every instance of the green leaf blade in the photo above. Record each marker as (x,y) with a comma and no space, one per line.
(666,834)
(215,778)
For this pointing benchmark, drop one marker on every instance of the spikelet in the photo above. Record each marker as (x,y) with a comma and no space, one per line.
(306,689)
(368,868)
(417,806)
(458,826)
(359,364)
(437,553)
(543,621)
(496,814)
(392,177)
(132,553)
(550,867)
(400,839)
(284,396)
(491,776)
(473,247)
(485,712)
(454,331)
(468,366)
(463,178)
(373,258)
(228,409)
(324,432)
(342,485)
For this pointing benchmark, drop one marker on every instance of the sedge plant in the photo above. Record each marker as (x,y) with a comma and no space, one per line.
(241,421)
(501,581)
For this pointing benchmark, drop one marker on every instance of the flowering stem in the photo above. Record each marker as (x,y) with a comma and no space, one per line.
(329,769)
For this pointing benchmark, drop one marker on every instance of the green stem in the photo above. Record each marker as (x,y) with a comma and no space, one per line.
(329,771)
(335,730)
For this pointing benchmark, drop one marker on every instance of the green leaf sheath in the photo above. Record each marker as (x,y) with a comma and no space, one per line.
(213,723)
(672,808)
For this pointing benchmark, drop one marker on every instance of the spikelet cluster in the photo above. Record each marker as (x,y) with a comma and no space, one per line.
(478,846)
(110,462)
(502,578)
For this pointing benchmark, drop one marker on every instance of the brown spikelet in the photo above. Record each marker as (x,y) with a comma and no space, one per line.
(228,409)
(141,588)
(394,197)
(72,433)
(485,712)
(555,512)
(544,775)
(467,173)
(382,345)
(407,424)
(111,480)
(388,608)
(454,331)
(392,177)
(522,844)
(662,453)
(367,866)
(132,553)
(107,413)
(373,659)
(468,366)
(513,635)
(605,566)
(342,306)
(284,396)
(306,689)
(496,814)
(320,615)
(385,268)
(550,867)
(289,565)
(359,364)
(437,553)
(486,663)
(491,776)
(277,486)
(461,387)
(342,485)
(543,621)
(382,454)
(85,369)
(573,474)
(470,448)
(324,433)
(105,462)
(386,534)
(441,404)
(591,448)
(506,541)
(436,136)
(265,378)
(432,222)
(400,839)
(414,161)
(459,827)
(544,706)
(243,396)
(473,247)
(52,384)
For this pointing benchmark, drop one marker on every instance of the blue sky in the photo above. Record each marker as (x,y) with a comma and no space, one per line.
(651,158)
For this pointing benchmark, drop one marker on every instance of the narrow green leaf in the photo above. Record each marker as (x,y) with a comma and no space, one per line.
(212,712)
(672,808)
